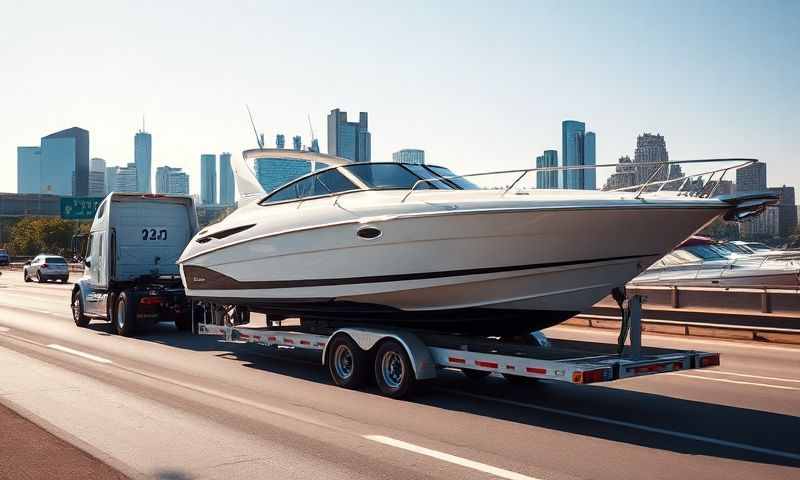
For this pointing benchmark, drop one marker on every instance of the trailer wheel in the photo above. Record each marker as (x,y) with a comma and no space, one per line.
(347,362)
(78,316)
(393,371)
(125,316)
(475,374)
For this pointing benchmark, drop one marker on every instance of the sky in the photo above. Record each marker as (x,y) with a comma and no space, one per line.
(478,85)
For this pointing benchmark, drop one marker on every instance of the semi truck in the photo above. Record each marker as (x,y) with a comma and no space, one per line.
(131,278)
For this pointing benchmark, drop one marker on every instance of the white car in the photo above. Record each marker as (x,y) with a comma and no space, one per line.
(44,268)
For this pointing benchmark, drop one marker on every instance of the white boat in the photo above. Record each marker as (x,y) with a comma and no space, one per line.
(419,246)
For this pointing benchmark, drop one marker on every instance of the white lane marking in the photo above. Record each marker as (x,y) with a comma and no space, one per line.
(85,355)
(446,457)
(636,426)
(777,379)
(738,382)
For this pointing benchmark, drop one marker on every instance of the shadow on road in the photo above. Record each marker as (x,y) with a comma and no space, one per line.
(493,397)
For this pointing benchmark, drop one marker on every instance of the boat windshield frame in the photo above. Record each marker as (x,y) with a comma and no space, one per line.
(360,183)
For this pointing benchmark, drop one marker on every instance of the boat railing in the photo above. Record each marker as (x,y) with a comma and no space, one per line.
(692,185)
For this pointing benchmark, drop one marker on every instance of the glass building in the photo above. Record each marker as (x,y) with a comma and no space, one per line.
(227,190)
(125,179)
(29,169)
(97,178)
(349,139)
(143,158)
(752,178)
(274,172)
(208,179)
(577,148)
(547,179)
(297,143)
(172,181)
(65,163)
(409,155)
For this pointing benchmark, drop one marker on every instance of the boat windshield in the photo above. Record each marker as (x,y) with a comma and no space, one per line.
(462,183)
(326,182)
(395,176)
(707,252)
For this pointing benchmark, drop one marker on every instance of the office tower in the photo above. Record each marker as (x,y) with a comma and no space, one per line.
(29,169)
(314,146)
(547,179)
(349,139)
(227,190)
(111,178)
(624,175)
(409,155)
(65,163)
(787,210)
(172,181)
(208,179)
(651,149)
(280,141)
(272,172)
(297,143)
(126,178)
(752,178)
(577,148)
(142,157)
(97,177)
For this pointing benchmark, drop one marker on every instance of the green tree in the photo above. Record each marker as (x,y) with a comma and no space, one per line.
(34,235)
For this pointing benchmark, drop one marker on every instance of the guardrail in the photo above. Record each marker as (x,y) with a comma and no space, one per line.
(73,267)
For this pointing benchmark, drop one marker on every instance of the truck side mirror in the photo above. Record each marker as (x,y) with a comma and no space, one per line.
(88,261)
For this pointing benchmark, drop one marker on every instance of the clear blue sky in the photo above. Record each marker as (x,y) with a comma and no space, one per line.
(477,85)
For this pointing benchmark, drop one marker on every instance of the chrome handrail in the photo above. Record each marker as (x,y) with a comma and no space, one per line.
(640,188)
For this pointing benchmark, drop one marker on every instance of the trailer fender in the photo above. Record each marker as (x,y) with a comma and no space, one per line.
(418,353)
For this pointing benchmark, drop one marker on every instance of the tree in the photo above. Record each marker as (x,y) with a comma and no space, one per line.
(34,235)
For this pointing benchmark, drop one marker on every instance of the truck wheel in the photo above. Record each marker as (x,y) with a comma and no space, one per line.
(125,316)
(393,371)
(80,319)
(347,363)
(475,374)
(184,321)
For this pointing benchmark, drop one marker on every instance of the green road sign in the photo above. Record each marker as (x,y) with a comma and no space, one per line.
(79,208)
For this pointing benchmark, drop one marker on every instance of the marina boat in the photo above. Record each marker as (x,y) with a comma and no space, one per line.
(704,262)
(418,246)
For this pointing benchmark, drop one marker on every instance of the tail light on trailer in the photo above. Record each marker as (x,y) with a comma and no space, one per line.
(591,376)
(150,301)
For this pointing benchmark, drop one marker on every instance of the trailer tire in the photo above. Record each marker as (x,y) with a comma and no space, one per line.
(394,373)
(124,315)
(475,374)
(78,315)
(347,363)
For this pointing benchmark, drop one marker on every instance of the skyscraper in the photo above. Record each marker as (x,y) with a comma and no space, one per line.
(577,148)
(625,175)
(297,143)
(280,141)
(97,177)
(787,210)
(65,163)
(142,157)
(125,179)
(29,169)
(547,179)
(208,179)
(349,139)
(651,149)
(172,181)
(111,179)
(272,172)
(409,155)
(227,190)
(752,178)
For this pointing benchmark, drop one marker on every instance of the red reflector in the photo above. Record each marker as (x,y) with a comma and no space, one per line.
(288,340)
(456,360)
(577,377)
(593,376)
(305,342)
(709,361)
(481,363)
(272,339)
(150,301)
(541,371)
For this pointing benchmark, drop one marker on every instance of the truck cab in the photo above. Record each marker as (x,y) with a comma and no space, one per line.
(130,273)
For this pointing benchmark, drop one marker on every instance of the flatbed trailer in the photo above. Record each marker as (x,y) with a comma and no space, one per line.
(398,358)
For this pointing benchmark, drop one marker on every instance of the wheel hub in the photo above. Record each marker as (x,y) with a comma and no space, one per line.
(392,369)
(343,361)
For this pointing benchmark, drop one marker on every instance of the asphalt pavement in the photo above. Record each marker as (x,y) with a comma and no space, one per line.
(172,405)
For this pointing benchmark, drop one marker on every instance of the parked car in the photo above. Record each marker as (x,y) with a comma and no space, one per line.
(4,258)
(44,268)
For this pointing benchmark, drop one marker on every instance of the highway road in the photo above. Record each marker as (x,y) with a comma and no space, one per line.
(176,406)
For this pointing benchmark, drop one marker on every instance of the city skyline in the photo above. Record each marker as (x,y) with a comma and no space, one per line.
(738,104)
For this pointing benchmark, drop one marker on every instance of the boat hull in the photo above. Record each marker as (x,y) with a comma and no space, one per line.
(495,272)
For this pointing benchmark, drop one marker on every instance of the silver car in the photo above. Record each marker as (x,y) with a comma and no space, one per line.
(44,268)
